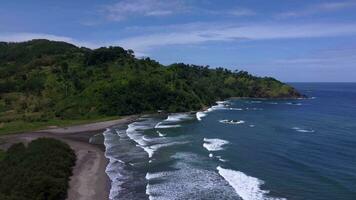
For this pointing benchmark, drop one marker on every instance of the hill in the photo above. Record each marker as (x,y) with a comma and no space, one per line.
(42,80)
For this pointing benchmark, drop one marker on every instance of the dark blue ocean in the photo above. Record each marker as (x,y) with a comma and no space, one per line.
(242,149)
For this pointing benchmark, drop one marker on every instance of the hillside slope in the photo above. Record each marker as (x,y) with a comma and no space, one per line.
(42,80)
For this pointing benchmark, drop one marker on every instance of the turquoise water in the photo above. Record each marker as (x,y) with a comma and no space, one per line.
(242,149)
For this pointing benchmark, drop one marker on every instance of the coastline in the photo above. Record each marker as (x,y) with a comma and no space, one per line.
(89,180)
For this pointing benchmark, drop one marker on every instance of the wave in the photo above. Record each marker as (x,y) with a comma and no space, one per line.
(160,134)
(254,108)
(214,144)
(150,145)
(200,115)
(255,101)
(153,148)
(226,121)
(273,103)
(173,120)
(235,109)
(135,133)
(114,166)
(178,117)
(303,130)
(247,187)
(294,104)
(187,181)
(221,105)
(160,126)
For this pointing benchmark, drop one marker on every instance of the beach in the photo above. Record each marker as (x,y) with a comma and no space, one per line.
(89,180)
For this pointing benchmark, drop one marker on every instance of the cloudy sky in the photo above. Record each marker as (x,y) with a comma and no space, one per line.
(292,40)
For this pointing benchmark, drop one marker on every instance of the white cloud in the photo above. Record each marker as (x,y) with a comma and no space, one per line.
(318,8)
(242,12)
(206,33)
(132,8)
(344,56)
(334,6)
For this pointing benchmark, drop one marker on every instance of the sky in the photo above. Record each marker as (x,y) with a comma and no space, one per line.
(291,40)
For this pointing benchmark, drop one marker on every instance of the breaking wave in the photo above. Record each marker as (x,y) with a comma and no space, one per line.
(226,121)
(247,187)
(303,130)
(214,144)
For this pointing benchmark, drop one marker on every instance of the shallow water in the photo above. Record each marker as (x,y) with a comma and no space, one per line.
(242,149)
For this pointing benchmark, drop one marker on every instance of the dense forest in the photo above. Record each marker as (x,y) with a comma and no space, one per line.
(42,80)
(34,172)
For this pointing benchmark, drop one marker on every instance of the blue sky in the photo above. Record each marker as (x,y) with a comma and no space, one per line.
(292,40)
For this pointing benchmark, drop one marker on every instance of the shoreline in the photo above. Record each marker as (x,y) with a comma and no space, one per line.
(89,180)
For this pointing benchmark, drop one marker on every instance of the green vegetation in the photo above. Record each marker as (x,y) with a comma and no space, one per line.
(43,81)
(39,171)
(2,154)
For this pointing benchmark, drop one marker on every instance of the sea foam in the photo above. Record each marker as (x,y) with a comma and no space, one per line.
(247,187)
(303,130)
(200,115)
(214,144)
(188,181)
(173,120)
(226,121)
(160,134)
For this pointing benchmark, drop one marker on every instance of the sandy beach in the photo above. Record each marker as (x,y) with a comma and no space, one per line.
(89,180)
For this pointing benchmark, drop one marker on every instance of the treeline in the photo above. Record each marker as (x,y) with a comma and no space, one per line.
(39,171)
(41,80)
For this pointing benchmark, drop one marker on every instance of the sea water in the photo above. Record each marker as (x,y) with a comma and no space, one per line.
(242,149)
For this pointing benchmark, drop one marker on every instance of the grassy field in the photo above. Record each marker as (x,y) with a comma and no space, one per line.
(22,126)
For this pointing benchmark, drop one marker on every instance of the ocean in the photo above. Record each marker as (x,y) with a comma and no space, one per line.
(242,149)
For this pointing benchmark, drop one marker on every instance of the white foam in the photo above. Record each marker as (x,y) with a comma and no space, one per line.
(172,120)
(134,133)
(294,104)
(188,181)
(153,148)
(235,109)
(160,134)
(226,121)
(111,169)
(178,117)
(214,144)
(303,130)
(210,155)
(247,187)
(159,126)
(221,105)
(200,115)
(251,125)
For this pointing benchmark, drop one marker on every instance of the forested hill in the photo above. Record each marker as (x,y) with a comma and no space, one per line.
(43,79)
